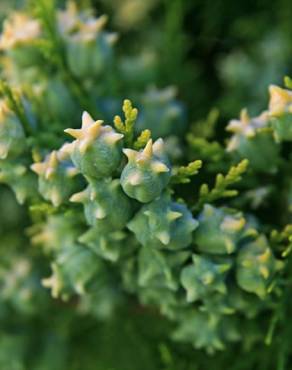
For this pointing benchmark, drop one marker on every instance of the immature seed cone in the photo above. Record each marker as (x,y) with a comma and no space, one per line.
(147,172)
(19,178)
(251,140)
(206,331)
(97,150)
(55,178)
(110,246)
(75,268)
(219,230)
(280,111)
(164,224)
(256,266)
(88,46)
(162,114)
(105,204)
(204,278)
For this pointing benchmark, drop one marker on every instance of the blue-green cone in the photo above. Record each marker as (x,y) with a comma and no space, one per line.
(219,230)
(18,40)
(162,114)
(110,246)
(97,150)
(251,141)
(205,331)
(105,204)
(256,266)
(59,232)
(88,47)
(164,224)
(89,58)
(19,178)
(204,277)
(147,172)
(55,178)
(74,269)
(57,100)
(154,269)
(280,111)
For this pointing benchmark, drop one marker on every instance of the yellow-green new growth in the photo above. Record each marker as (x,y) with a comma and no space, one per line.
(222,183)
(142,140)
(200,147)
(283,239)
(182,174)
(127,127)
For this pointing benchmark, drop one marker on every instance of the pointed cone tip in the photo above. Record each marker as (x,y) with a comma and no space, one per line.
(76,133)
(158,146)
(38,168)
(100,213)
(130,153)
(113,137)
(148,150)
(173,215)
(87,120)
(164,237)
(159,167)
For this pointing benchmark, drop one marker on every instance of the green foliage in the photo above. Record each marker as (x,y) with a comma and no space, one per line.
(222,183)
(184,173)
(149,266)
(142,140)
(127,127)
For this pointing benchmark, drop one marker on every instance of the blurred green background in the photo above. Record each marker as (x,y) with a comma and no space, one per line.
(217,52)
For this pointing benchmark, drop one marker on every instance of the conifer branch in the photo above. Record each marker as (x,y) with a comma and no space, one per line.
(127,127)
(182,174)
(222,183)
